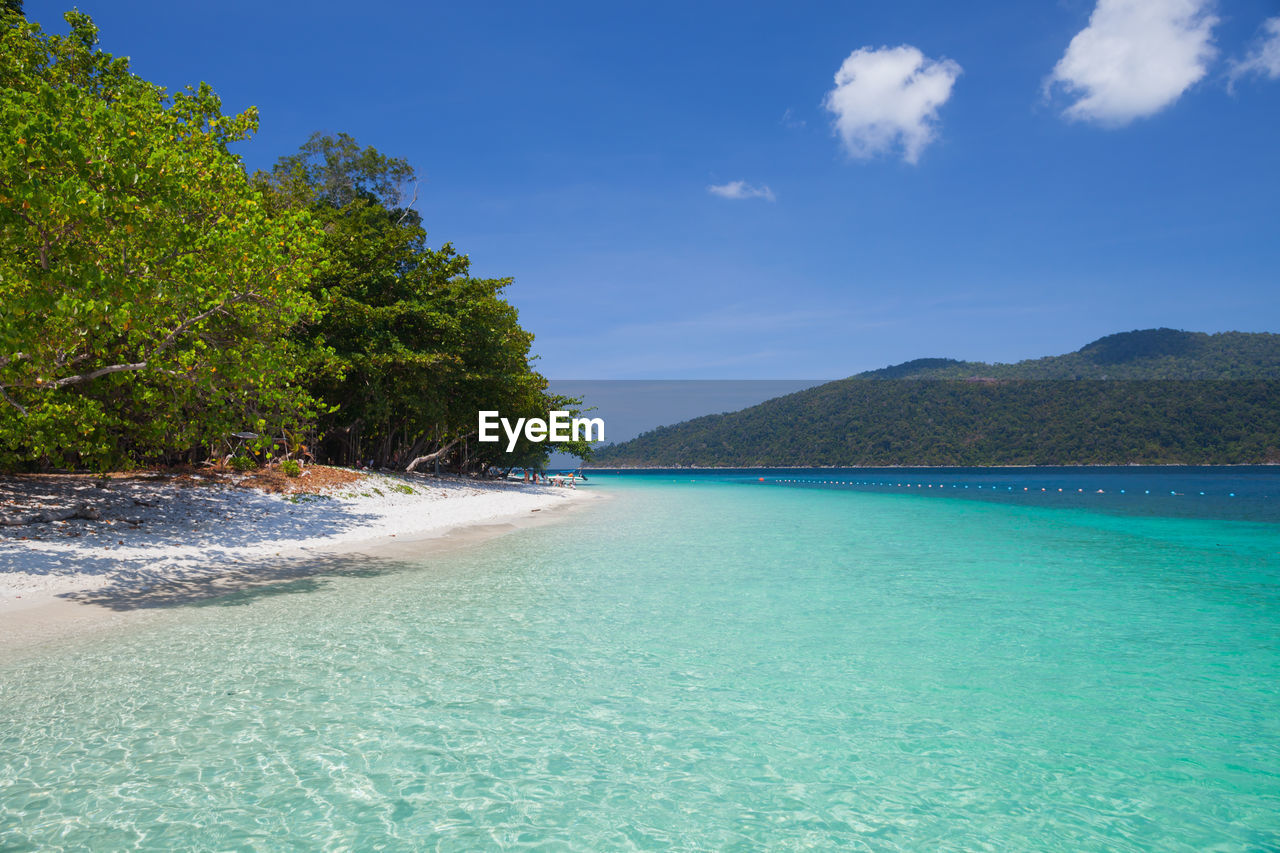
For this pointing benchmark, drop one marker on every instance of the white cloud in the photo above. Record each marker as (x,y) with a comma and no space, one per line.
(888,98)
(1135,58)
(1264,59)
(740,189)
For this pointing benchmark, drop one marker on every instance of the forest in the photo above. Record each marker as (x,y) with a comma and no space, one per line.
(1157,396)
(160,304)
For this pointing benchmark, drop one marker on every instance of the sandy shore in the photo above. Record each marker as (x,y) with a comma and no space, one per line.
(158,542)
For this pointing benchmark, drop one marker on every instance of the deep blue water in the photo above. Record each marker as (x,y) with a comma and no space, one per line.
(1239,493)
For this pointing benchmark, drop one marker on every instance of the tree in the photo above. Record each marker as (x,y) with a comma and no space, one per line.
(410,347)
(335,171)
(145,285)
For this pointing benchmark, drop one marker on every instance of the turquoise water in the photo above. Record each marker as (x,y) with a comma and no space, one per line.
(699,662)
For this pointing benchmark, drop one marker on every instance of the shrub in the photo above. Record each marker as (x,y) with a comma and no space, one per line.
(243,463)
(291,468)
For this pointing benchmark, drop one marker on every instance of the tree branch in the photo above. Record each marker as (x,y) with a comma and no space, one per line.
(409,206)
(12,402)
(164,344)
(188,323)
(93,374)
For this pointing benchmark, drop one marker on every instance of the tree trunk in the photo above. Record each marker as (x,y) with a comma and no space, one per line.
(415,448)
(433,456)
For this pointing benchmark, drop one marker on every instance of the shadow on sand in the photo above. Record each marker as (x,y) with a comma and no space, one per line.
(235,585)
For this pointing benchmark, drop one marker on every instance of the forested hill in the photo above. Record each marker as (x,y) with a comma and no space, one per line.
(1052,411)
(1145,354)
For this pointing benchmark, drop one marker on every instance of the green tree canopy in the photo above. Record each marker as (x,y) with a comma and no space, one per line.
(335,171)
(145,285)
(411,346)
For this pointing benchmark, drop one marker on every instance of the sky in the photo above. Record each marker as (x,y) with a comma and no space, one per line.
(799,190)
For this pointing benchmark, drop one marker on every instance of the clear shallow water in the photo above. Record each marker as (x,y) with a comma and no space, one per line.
(702,662)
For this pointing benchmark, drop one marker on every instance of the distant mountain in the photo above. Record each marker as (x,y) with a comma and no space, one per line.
(1156,396)
(1145,354)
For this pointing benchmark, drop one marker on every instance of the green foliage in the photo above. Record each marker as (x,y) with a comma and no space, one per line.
(145,285)
(870,420)
(291,468)
(335,171)
(154,299)
(243,462)
(410,347)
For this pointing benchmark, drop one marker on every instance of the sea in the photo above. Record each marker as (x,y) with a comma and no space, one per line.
(1041,659)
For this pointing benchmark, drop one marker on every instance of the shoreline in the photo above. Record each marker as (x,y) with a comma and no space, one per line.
(68,582)
(1124,465)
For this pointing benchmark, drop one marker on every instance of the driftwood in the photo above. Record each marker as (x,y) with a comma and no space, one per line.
(50,515)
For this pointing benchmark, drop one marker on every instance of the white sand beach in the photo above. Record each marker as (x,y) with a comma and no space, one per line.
(162,539)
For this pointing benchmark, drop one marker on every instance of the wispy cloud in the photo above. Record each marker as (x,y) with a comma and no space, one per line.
(888,98)
(741,190)
(1135,58)
(1264,58)
(790,120)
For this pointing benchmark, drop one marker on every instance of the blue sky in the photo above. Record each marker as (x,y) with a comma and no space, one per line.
(989,181)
